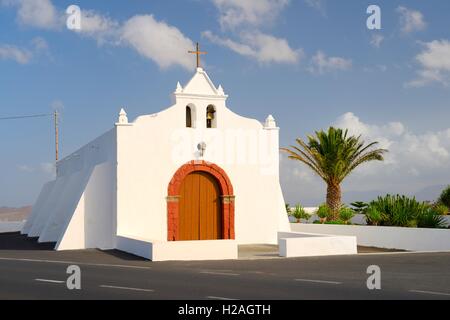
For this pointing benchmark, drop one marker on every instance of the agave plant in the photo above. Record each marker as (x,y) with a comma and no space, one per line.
(346,214)
(299,213)
(323,212)
(333,155)
(373,216)
(402,211)
(431,219)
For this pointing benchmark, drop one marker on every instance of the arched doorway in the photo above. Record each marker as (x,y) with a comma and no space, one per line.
(200,203)
(200,212)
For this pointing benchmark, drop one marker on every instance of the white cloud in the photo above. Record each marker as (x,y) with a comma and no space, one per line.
(263,47)
(245,19)
(319,5)
(25,168)
(158,41)
(36,13)
(234,13)
(408,151)
(415,161)
(321,63)
(38,45)
(91,22)
(47,168)
(19,55)
(434,61)
(99,27)
(411,20)
(376,40)
(155,40)
(43,14)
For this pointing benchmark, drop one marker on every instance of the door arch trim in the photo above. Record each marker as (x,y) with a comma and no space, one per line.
(226,194)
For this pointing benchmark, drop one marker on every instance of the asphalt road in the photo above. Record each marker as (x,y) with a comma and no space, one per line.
(29,271)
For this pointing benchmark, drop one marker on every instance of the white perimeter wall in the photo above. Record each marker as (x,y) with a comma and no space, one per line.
(296,244)
(357,219)
(179,250)
(413,239)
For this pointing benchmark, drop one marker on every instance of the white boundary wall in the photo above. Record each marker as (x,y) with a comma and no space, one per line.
(412,239)
(294,244)
(357,219)
(179,250)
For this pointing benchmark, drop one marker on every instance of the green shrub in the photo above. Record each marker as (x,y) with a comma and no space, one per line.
(402,211)
(431,219)
(445,197)
(373,216)
(324,212)
(441,209)
(399,211)
(346,214)
(299,213)
(336,222)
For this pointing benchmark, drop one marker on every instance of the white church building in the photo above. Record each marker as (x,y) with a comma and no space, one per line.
(191,182)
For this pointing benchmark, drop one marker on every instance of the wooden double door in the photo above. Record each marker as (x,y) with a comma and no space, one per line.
(200,216)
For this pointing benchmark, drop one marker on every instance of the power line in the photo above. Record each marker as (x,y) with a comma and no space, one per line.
(55,115)
(24,117)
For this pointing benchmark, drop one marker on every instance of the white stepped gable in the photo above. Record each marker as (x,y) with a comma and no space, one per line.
(201,84)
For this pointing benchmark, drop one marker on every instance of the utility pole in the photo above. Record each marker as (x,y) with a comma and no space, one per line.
(56,136)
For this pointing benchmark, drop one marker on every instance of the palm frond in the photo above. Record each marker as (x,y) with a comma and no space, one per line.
(334,154)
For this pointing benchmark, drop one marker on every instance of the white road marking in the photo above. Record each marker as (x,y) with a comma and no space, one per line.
(318,281)
(50,281)
(400,253)
(126,288)
(218,298)
(220,273)
(76,263)
(431,292)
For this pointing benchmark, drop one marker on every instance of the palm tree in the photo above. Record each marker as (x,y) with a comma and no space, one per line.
(333,155)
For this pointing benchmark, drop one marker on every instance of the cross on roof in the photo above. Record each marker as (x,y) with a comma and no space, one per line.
(198,53)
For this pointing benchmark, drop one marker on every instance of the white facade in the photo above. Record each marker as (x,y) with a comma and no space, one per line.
(117,185)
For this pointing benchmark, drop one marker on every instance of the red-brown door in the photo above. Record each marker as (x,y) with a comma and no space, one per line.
(200,212)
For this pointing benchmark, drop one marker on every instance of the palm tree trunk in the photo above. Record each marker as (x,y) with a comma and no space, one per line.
(334,199)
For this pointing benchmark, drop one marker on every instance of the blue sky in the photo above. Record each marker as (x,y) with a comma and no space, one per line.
(310,63)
